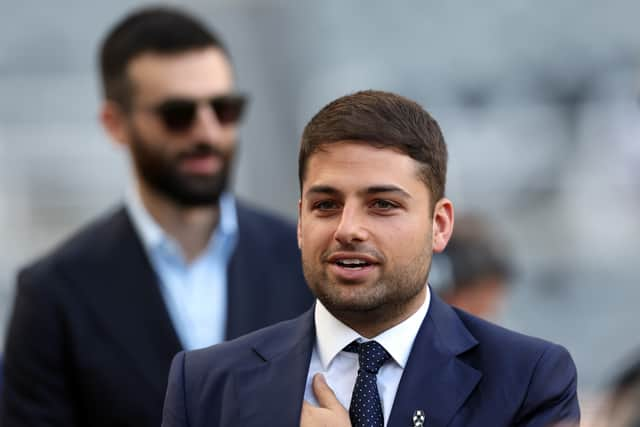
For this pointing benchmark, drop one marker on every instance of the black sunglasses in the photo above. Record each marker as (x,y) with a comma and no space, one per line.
(179,114)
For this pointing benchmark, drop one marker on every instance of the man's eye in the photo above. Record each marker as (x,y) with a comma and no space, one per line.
(325,205)
(383,204)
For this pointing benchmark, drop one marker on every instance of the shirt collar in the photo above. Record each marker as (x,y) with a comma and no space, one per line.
(154,237)
(151,234)
(228,225)
(332,336)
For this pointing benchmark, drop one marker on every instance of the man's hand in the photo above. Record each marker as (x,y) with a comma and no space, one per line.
(330,413)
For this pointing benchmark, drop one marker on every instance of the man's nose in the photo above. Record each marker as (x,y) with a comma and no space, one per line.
(352,226)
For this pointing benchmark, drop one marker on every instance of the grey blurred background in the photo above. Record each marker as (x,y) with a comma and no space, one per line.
(538,102)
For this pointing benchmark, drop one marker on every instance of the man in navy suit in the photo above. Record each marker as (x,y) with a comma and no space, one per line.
(378,348)
(182,265)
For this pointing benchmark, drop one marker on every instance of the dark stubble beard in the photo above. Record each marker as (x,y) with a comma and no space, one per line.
(382,301)
(161,172)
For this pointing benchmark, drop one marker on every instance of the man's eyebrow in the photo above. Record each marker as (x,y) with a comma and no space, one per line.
(375,189)
(322,189)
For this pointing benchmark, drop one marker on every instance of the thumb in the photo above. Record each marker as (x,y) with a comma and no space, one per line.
(325,396)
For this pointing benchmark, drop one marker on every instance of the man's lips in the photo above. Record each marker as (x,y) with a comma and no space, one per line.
(352,258)
(352,267)
(206,164)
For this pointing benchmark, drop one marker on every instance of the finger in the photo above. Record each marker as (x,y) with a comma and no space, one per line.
(325,396)
(305,414)
(308,406)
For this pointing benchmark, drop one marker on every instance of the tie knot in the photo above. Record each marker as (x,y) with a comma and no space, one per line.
(371,355)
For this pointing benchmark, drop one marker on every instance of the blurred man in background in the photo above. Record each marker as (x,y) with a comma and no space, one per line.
(181,265)
(473,272)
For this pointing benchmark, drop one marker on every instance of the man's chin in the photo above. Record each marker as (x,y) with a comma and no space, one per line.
(193,199)
(351,300)
(196,190)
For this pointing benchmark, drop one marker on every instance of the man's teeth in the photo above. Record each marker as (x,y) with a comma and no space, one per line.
(352,263)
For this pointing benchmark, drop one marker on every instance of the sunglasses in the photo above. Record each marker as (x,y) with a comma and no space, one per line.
(179,114)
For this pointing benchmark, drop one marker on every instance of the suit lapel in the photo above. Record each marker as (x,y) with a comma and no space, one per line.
(122,291)
(435,380)
(271,392)
(243,312)
(241,309)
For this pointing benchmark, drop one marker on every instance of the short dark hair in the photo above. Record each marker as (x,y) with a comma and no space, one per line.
(161,30)
(384,120)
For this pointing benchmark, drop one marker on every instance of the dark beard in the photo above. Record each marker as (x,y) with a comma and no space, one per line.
(163,175)
(384,300)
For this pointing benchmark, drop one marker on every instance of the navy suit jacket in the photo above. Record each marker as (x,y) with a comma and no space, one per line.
(90,340)
(462,372)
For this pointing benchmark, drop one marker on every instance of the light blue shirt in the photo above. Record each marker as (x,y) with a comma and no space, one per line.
(195,293)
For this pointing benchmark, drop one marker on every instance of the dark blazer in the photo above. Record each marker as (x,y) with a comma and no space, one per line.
(462,372)
(90,340)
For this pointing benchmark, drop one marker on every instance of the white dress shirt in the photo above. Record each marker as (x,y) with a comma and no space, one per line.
(340,368)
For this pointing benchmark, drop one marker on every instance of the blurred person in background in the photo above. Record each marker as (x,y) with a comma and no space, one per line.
(621,404)
(182,265)
(473,272)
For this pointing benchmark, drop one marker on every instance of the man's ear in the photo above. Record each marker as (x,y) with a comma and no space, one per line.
(442,224)
(299,232)
(114,121)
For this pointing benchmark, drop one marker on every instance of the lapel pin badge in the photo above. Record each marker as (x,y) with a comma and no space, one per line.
(418,418)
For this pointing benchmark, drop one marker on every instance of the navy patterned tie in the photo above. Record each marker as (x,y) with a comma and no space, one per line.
(365,409)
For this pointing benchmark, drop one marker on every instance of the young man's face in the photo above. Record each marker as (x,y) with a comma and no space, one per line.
(366,230)
(190,164)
